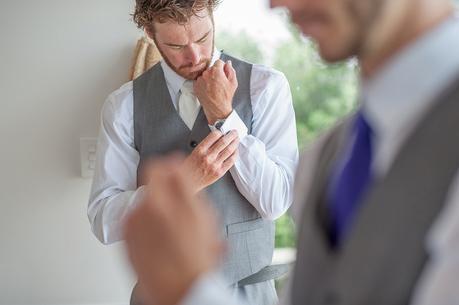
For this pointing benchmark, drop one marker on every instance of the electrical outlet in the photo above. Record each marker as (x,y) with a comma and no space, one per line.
(88,148)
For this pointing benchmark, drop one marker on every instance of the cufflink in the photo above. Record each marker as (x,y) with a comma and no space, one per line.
(218,125)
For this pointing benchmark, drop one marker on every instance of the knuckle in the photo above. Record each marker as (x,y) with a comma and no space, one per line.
(203,167)
(214,168)
(229,140)
(200,162)
(224,154)
(210,165)
(225,141)
(207,160)
(215,134)
(198,150)
(234,134)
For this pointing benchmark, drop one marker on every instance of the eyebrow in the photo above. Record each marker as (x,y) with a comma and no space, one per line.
(180,45)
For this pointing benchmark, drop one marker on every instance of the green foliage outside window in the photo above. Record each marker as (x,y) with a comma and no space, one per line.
(321,93)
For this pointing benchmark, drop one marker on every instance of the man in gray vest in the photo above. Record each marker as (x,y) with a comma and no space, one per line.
(233,121)
(377,198)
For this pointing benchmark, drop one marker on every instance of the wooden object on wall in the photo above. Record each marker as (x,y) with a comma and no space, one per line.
(146,55)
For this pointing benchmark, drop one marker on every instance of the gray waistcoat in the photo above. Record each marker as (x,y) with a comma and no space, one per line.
(159,130)
(384,255)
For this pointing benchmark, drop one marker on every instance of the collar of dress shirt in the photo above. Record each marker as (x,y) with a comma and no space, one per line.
(396,98)
(175,81)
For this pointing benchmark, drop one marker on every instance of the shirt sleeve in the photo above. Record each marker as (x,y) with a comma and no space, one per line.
(439,281)
(268,156)
(114,189)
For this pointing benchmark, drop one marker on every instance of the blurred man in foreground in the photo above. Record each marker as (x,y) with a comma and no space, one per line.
(377,197)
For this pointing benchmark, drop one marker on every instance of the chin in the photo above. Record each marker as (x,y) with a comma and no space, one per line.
(333,45)
(191,75)
(333,53)
(330,56)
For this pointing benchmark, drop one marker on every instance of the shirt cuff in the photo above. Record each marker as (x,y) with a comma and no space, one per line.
(233,122)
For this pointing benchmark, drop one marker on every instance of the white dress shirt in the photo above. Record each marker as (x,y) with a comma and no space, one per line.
(395,100)
(263,172)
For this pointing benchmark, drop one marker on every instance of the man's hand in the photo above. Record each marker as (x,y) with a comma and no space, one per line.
(171,237)
(211,159)
(215,90)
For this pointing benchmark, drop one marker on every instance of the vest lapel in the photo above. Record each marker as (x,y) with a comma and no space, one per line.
(200,128)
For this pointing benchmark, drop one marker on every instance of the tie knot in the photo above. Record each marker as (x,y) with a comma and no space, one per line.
(187,87)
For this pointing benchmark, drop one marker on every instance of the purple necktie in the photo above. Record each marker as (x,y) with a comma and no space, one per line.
(350,178)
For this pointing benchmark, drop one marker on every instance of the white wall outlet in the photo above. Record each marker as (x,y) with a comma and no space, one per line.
(88,147)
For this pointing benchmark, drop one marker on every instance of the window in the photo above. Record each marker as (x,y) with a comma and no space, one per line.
(322,93)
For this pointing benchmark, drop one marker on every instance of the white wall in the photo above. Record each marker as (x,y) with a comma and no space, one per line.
(59,59)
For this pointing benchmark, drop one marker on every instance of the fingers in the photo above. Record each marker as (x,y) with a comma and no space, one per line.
(217,71)
(169,191)
(221,68)
(228,151)
(223,142)
(210,140)
(227,69)
(231,73)
(228,163)
(183,186)
(218,65)
(152,172)
(162,193)
(198,83)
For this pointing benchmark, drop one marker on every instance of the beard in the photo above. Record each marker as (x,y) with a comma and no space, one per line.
(377,21)
(363,14)
(393,17)
(189,72)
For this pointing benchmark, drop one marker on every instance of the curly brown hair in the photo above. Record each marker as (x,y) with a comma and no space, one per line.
(148,11)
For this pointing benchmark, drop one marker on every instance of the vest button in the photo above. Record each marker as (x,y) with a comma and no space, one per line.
(193,144)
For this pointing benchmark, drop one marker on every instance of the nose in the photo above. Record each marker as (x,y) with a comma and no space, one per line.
(193,55)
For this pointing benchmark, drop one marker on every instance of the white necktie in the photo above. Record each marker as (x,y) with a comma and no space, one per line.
(188,105)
